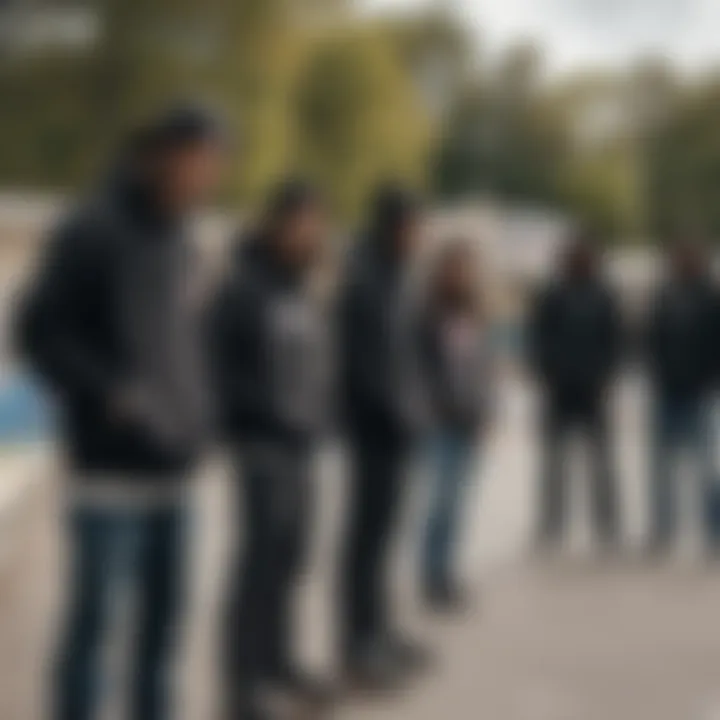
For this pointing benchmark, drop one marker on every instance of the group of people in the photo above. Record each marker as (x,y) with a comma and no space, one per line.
(147,377)
(578,341)
(149,374)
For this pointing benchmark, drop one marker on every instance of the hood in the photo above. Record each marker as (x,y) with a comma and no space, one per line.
(136,196)
(391,207)
(254,252)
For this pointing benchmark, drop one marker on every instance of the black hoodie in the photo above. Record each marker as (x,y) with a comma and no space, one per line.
(682,348)
(382,393)
(575,338)
(110,309)
(268,350)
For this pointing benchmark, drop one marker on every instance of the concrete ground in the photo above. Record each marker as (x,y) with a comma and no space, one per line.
(568,638)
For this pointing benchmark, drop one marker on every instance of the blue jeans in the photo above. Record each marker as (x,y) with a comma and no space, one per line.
(110,548)
(679,425)
(451,465)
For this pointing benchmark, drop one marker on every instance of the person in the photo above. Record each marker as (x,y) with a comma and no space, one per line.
(575,341)
(457,363)
(112,324)
(270,366)
(682,356)
(381,400)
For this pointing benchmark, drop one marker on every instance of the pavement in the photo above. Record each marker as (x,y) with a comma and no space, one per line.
(568,638)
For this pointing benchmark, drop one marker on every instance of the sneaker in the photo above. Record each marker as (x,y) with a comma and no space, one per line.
(371,668)
(446,598)
(250,708)
(303,686)
(409,656)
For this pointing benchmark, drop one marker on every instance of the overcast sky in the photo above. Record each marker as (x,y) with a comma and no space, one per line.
(594,31)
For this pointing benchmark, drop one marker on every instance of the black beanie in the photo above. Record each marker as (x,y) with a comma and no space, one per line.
(290,196)
(392,205)
(177,127)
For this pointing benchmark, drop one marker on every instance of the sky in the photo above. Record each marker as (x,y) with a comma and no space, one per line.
(592,32)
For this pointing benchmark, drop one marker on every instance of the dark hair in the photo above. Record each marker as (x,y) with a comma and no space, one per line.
(392,205)
(448,254)
(178,127)
(290,197)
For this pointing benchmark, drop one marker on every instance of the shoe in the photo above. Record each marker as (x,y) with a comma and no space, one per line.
(446,597)
(409,656)
(658,548)
(253,713)
(250,709)
(303,686)
(370,668)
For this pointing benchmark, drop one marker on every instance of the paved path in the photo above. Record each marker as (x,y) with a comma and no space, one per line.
(562,640)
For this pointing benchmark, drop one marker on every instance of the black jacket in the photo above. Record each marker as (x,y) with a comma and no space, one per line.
(575,338)
(380,385)
(109,310)
(269,351)
(458,378)
(683,338)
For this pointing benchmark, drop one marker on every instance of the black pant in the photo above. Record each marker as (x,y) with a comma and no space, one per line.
(588,416)
(376,489)
(258,631)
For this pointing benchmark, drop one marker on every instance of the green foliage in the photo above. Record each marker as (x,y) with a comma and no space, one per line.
(684,161)
(309,86)
(45,122)
(504,137)
(358,120)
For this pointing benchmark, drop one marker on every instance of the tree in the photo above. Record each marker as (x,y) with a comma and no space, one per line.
(358,119)
(437,53)
(504,136)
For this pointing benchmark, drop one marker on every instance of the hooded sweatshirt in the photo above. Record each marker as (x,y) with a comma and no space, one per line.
(269,350)
(111,310)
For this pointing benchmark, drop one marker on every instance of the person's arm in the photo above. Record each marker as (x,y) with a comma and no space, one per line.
(651,336)
(616,336)
(50,329)
(714,333)
(235,329)
(430,361)
(537,335)
(364,347)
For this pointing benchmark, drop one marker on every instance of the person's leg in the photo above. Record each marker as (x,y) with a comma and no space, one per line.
(603,479)
(451,454)
(161,570)
(245,627)
(375,490)
(699,440)
(552,479)
(663,451)
(95,564)
(291,521)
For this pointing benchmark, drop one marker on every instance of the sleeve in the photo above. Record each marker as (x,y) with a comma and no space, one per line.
(617,335)
(235,329)
(364,348)
(714,333)
(50,333)
(651,334)
(429,353)
(538,331)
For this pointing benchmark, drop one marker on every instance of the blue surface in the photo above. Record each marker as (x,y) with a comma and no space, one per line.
(23,414)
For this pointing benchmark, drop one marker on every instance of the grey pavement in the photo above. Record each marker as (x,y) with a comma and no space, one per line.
(569,638)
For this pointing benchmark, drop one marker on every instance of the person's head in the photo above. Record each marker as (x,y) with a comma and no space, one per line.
(582,256)
(180,155)
(396,219)
(687,258)
(296,223)
(455,276)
